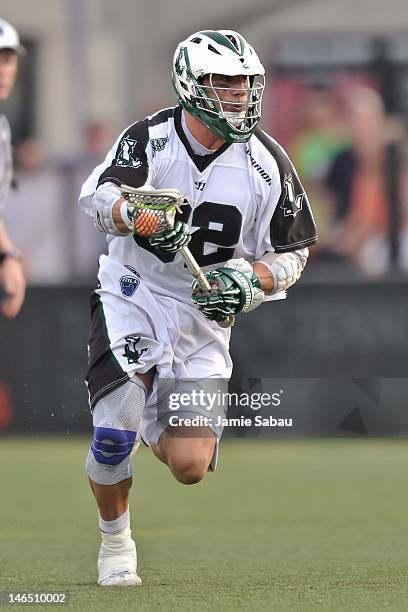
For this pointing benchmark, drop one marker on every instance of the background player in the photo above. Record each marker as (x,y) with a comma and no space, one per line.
(249,225)
(11,272)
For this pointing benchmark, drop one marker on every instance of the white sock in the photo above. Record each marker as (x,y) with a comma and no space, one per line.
(117,525)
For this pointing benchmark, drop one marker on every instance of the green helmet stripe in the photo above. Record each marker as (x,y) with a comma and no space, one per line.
(221,39)
(187,60)
(242,44)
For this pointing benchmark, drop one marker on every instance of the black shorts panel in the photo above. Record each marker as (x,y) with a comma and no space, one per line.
(104,372)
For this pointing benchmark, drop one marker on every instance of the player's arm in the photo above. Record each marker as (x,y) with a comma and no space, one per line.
(129,165)
(278,272)
(285,228)
(117,216)
(12,279)
(240,287)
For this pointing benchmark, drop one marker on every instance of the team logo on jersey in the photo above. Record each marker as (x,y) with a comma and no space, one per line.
(291,204)
(128,285)
(158,144)
(199,185)
(131,353)
(126,155)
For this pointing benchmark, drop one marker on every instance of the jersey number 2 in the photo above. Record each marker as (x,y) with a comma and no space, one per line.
(219,225)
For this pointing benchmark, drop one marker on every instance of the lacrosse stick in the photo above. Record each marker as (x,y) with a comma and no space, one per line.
(154,211)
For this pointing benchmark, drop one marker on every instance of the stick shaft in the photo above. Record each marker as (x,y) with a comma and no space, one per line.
(195,269)
(198,274)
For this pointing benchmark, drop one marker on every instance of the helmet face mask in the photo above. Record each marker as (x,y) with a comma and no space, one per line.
(204,68)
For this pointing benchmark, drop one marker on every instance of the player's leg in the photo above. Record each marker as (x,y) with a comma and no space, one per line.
(123,349)
(116,420)
(187,451)
(113,498)
(201,364)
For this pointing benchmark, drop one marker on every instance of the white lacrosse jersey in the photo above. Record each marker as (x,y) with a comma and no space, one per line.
(243,200)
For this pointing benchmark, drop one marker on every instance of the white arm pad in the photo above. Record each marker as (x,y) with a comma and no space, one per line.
(285,268)
(103,201)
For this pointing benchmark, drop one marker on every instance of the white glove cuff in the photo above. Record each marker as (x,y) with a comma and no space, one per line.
(243,266)
(285,268)
(104,200)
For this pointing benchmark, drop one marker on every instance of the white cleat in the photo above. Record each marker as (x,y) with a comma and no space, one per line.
(117,561)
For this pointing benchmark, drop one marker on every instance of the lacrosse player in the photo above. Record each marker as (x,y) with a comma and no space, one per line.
(12,281)
(246,221)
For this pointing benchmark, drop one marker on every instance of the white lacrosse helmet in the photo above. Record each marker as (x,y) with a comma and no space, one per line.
(221,52)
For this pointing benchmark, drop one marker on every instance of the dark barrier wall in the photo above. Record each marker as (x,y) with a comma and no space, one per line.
(345,331)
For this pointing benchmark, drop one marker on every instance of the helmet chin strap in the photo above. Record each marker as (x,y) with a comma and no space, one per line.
(235,119)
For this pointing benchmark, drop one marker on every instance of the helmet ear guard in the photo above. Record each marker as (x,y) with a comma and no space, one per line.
(224,53)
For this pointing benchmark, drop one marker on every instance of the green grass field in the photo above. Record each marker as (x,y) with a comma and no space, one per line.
(306,526)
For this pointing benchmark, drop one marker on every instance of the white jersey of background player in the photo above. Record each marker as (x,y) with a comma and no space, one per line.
(248,223)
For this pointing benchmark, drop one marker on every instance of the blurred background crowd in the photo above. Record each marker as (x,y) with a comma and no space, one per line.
(338,103)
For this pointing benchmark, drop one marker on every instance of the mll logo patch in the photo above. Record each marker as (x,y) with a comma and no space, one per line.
(128,285)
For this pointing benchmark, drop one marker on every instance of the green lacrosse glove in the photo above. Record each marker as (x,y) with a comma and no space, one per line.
(234,289)
(172,240)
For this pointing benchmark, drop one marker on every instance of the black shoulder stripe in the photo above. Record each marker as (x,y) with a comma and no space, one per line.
(292,225)
(135,177)
(130,164)
(267,142)
(161,117)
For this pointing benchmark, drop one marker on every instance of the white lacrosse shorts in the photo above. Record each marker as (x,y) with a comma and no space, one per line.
(134,330)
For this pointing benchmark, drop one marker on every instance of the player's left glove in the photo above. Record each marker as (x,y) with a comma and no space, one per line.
(171,240)
(235,288)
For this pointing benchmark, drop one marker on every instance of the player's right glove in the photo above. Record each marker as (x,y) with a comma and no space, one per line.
(172,240)
(234,289)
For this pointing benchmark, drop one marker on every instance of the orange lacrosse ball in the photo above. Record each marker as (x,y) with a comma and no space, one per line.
(146,223)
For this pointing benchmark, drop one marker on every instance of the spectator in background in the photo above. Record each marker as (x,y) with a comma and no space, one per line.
(320,137)
(97,138)
(12,279)
(86,245)
(39,201)
(46,194)
(357,182)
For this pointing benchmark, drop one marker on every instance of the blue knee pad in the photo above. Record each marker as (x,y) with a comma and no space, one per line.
(116,419)
(112,446)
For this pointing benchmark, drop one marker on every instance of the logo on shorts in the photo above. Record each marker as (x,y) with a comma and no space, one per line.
(131,353)
(128,285)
